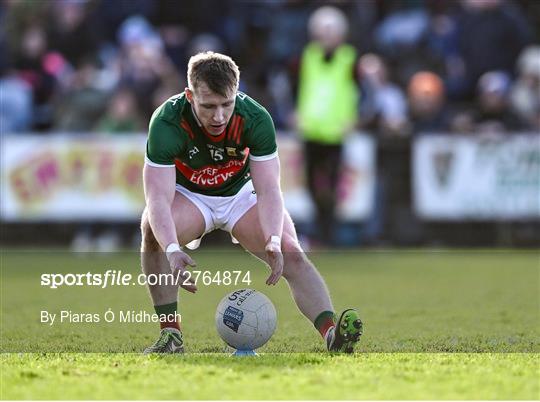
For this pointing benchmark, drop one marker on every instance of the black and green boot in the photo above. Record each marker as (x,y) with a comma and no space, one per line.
(346,333)
(169,341)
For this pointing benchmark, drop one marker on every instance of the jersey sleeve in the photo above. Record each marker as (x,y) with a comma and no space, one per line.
(164,143)
(262,138)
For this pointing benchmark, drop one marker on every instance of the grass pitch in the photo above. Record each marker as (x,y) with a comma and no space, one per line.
(281,376)
(438,325)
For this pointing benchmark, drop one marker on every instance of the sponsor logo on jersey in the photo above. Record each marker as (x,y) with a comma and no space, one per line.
(214,175)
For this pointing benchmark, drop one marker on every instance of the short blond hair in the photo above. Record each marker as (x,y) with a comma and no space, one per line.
(216,70)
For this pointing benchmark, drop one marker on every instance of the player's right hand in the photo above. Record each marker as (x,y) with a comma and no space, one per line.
(179,261)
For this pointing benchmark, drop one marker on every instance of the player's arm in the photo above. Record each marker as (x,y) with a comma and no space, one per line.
(265,176)
(159,190)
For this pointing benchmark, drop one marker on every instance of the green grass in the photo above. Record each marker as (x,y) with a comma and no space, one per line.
(283,376)
(438,325)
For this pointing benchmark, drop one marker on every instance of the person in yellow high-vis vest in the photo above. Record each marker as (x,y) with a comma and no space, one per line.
(326,109)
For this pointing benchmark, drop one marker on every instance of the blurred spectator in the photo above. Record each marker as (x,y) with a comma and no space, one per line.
(30,64)
(178,22)
(363,15)
(327,108)
(401,29)
(83,103)
(383,106)
(70,31)
(175,38)
(401,37)
(144,65)
(16,110)
(443,42)
(122,115)
(17,17)
(494,114)
(204,43)
(287,30)
(525,95)
(491,36)
(427,103)
(110,14)
(197,17)
(166,90)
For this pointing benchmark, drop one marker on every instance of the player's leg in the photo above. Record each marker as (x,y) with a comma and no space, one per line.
(307,286)
(190,224)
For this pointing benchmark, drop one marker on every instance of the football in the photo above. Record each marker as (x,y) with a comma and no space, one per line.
(246,319)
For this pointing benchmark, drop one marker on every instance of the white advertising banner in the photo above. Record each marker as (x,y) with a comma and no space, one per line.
(99,178)
(356,186)
(356,191)
(71,177)
(477,178)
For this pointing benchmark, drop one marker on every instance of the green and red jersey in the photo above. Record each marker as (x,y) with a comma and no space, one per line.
(206,164)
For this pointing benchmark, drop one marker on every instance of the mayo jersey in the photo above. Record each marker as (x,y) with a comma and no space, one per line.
(206,164)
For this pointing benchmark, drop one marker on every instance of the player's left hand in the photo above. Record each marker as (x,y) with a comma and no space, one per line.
(274,257)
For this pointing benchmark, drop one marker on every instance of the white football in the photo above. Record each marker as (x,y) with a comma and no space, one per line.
(246,319)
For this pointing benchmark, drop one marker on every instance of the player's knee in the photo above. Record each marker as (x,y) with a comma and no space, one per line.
(290,245)
(295,265)
(295,260)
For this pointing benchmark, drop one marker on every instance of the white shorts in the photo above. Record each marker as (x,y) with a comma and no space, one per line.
(220,212)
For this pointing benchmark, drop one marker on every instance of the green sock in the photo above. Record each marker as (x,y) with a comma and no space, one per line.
(169,310)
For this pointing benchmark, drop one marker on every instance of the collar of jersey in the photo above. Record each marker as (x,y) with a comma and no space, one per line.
(213,138)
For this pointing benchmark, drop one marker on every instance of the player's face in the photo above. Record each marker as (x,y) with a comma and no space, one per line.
(212,110)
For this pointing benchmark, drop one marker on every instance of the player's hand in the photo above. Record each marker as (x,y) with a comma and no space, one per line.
(179,262)
(274,257)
